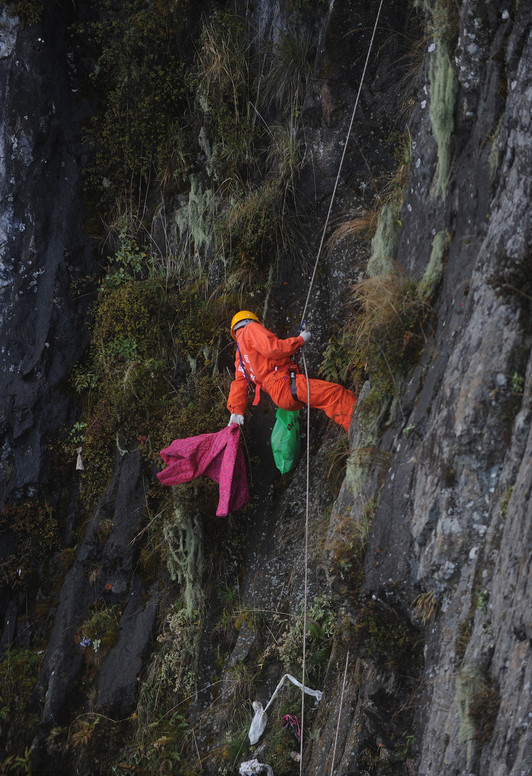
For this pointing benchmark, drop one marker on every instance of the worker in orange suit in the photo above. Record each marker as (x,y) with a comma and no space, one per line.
(263,362)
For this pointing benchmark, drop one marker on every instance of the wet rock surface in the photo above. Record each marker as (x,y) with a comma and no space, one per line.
(45,258)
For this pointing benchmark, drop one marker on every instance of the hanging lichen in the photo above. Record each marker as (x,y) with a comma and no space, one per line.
(434,271)
(183,536)
(384,244)
(195,221)
(443,88)
(443,81)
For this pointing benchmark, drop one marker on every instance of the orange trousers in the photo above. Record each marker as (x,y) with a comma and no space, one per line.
(336,401)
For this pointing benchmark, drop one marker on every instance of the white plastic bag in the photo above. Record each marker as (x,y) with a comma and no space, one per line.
(258,723)
(252,767)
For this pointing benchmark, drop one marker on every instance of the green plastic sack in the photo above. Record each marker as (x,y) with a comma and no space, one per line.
(285,439)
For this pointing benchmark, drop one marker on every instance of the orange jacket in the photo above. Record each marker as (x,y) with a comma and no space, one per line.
(264,356)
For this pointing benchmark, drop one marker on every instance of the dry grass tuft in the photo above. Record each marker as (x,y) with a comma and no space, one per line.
(383,334)
(426,607)
(363,223)
(387,311)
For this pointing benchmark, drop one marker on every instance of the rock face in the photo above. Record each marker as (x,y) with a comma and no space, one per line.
(453,519)
(451,471)
(430,672)
(103,572)
(45,258)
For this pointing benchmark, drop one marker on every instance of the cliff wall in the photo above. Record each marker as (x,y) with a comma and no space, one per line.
(46,262)
(154,625)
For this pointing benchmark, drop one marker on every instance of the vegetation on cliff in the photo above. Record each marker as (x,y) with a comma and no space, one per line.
(199,198)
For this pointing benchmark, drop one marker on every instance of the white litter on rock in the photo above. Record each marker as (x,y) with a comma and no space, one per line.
(252,767)
(258,723)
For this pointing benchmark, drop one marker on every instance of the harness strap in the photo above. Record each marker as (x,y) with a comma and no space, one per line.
(250,384)
(253,388)
(293,370)
(293,385)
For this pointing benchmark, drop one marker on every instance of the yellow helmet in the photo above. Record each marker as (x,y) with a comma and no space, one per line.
(243,315)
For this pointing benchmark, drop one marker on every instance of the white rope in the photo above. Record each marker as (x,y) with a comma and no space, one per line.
(341,161)
(304,656)
(305,580)
(339,712)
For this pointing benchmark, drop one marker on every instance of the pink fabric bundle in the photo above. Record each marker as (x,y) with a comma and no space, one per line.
(218,456)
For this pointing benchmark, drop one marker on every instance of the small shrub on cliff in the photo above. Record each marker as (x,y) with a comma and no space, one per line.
(177,658)
(81,731)
(321,624)
(152,374)
(253,226)
(29,12)
(141,332)
(34,530)
(19,669)
(383,635)
(128,263)
(383,336)
(98,634)
(139,76)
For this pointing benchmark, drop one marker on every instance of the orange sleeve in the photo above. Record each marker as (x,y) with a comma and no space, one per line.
(238,395)
(267,344)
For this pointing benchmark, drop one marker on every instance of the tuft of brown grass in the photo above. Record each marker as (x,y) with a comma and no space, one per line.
(426,607)
(363,223)
(383,335)
(221,60)
(388,312)
(289,72)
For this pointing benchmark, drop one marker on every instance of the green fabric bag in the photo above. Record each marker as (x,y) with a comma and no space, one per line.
(285,439)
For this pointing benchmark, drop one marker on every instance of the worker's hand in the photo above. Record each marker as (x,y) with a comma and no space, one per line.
(239,419)
(306,335)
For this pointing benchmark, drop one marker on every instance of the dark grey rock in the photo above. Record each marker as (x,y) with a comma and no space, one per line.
(102,576)
(120,672)
(43,249)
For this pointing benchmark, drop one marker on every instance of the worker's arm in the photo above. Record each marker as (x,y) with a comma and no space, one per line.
(238,395)
(267,344)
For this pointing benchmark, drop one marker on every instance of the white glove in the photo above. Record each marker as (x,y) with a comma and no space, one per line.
(306,335)
(236,419)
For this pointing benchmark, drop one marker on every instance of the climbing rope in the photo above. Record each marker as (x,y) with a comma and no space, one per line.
(305,579)
(318,256)
(333,196)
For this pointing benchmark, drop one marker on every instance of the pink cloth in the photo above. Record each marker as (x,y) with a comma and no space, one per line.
(218,456)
